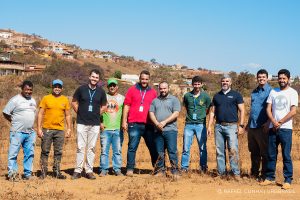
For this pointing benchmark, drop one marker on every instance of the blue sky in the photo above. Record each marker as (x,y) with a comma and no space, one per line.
(227,35)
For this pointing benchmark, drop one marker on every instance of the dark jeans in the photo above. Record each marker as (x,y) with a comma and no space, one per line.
(166,140)
(135,132)
(258,147)
(57,138)
(283,137)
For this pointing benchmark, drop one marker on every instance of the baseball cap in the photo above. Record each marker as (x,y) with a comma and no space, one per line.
(112,80)
(57,81)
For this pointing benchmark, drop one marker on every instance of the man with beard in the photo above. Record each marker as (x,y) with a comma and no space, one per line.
(281,108)
(225,107)
(88,102)
(196,103)
(112,135)
(135,119)
(163,112)
(258,126)
(20,112)
(54,110)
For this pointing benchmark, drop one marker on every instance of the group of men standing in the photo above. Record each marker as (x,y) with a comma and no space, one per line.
(141,113)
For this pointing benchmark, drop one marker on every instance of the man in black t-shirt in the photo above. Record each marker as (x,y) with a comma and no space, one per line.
(225,107)
(88,102)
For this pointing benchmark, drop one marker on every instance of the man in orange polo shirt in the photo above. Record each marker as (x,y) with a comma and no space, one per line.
(54,110)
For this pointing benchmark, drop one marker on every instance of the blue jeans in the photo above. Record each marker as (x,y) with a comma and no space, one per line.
(166,140)
(189,131)
(135,132)
(283,137)
(27,141)
(227,134)
(114,138)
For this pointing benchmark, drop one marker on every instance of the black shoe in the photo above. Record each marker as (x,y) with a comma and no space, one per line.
(90,176)
(59,175)
(76,175)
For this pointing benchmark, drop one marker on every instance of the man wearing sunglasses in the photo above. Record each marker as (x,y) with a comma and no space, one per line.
(54,110)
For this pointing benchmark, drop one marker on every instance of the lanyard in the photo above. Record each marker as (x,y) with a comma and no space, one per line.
(91,95)
(143,95)
(195,103)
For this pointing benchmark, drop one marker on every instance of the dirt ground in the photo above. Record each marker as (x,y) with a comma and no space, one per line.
(144,186)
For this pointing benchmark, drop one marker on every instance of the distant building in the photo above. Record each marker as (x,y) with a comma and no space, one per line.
(6,35)
(11,67)
(154,65)
(130,77)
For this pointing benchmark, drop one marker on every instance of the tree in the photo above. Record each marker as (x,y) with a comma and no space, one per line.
(117,74)
(153,60)
(37,45)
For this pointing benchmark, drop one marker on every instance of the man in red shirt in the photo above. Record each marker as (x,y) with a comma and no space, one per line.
(135,119)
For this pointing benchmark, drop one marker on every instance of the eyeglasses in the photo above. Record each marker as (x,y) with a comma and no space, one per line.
(112,85)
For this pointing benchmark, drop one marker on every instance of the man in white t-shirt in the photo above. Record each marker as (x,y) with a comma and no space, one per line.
(281,109)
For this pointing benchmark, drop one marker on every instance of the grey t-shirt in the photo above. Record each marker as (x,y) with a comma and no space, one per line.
(163,108)
(22,112)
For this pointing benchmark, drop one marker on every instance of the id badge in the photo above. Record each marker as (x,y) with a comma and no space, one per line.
(141,108)
(90,108)
(194,116)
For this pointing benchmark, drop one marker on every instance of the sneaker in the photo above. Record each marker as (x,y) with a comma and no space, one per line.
(14,177)
(103,173)
(76,175)
(175,176)
(267,182)
(28,178)
(184,171)
(90,176)
(160,174)
(119,173)
(286,186)
(129,173)
(237,178)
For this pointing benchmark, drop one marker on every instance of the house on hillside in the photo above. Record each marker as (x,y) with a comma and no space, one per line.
(11,67)
(130,78)
(176,67)
(33,69)
(154,65)
(5,35)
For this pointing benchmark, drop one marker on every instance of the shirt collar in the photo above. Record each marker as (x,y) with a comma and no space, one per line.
(227,91)
(139,87)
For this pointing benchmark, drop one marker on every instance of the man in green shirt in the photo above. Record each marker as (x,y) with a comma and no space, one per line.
(111,134)
(196,103)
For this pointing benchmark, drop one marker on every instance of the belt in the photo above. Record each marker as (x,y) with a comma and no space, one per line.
(227,123)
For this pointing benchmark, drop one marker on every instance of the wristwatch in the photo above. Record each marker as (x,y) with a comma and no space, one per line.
(242,125)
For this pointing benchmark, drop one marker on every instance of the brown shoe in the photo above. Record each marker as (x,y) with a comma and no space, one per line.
(267,182)
(76,175)
(90,176)
(286,186)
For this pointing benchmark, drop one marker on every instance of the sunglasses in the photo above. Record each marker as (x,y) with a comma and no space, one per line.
(57,86)
(112,85)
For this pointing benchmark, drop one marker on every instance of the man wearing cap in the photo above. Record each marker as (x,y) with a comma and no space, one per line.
(225,107)
(89,101)
(111,126)
(54,110)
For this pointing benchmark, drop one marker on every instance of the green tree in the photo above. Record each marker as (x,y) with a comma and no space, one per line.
(117,74)
(153,60)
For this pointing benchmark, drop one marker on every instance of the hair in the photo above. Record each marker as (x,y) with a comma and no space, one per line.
(162,83)
(285,72)
(197,79)
(96,71)
(145,72)
(26,82)
(262,71)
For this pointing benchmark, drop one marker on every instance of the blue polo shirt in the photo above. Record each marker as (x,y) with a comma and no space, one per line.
(258,114)
(226,106)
